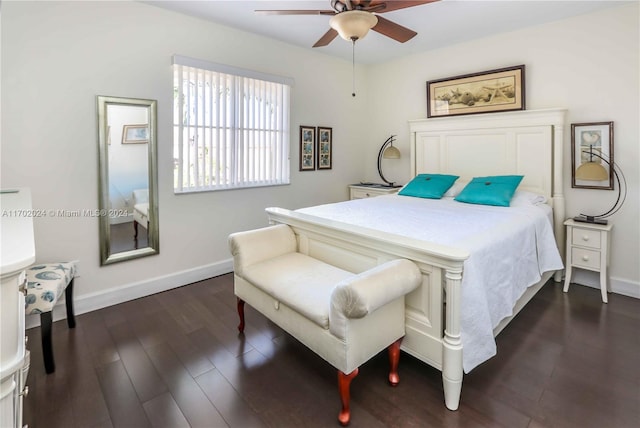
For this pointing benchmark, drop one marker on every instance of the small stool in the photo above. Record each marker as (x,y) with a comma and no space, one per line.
(45,284)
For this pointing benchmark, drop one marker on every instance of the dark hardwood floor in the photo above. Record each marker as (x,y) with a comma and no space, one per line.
(123,237)
(175,359)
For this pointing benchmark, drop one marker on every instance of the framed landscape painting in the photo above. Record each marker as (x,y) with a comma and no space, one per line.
(485,92)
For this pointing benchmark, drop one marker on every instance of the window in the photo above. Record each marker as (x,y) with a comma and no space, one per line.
(230,127)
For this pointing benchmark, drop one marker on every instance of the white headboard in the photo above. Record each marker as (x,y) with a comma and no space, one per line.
(527,142)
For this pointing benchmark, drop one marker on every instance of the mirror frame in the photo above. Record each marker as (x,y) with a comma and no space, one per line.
(106,257)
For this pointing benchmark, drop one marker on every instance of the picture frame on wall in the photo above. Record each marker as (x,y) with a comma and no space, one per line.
(502,89)
(592,155)
(325,137)
(135,134)
(307,148)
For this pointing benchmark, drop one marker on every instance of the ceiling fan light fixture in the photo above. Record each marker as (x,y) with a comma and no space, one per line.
(353,24)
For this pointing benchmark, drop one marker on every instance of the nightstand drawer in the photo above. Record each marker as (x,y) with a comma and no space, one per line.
(585,258)
(361,194)
(586,238)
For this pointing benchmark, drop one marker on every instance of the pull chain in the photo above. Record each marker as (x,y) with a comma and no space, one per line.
(353,65)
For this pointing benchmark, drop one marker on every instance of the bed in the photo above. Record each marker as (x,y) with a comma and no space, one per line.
(527,143)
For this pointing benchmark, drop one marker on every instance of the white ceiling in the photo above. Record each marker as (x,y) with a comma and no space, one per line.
(438,24)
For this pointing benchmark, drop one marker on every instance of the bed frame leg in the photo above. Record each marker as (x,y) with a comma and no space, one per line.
(452,389)
(394,360)
(241,315)
(451,342)
(344,386)
(557,277)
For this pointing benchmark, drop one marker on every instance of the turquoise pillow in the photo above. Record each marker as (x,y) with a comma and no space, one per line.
(494,190)
(431,186)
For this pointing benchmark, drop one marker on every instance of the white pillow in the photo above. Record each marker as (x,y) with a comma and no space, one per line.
(523,198)
(454,190)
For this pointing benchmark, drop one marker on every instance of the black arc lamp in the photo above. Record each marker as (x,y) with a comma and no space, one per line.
(594,171)
(387,151)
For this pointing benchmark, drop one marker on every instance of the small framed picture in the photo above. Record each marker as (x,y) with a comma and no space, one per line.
(135,134)
(307,148)
(324,147)
(592,155)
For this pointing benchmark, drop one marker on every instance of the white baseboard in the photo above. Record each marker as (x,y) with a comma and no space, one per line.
(124,293)
(618,285)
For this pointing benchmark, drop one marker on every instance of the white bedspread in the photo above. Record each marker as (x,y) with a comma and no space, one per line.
(510,248)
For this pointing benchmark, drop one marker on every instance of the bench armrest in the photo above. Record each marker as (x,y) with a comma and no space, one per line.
(364,293)
(140,196)
(255,246)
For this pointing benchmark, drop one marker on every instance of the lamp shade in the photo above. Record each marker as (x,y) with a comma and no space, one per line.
(592,171)
(391,153)
(353,24)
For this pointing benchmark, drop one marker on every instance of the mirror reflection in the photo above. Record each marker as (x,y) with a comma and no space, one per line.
(128,179)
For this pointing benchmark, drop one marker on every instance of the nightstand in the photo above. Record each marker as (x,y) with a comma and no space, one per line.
(587,248)
(361,191)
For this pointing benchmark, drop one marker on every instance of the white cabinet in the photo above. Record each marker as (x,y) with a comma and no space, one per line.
(17,253)
(588,248)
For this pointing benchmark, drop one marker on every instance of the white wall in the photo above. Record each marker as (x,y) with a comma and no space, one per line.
(588,64)
(58,56)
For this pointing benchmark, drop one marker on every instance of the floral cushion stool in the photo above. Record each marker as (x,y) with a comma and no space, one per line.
(45,284)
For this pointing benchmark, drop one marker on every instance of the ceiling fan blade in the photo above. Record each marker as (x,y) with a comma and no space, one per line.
(295,12)
(326,38)
(395,31)
(390,6)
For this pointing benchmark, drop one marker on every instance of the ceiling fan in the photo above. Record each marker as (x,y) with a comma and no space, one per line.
(352,19)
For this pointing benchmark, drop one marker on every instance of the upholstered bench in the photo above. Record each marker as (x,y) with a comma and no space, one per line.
(140,210)
(345,318)
(45,284)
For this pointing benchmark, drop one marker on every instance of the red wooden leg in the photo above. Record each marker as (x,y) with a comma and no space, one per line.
(394,359)
(344,383)
(241,315)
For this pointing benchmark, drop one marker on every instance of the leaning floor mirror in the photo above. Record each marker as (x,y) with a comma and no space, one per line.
(128,182)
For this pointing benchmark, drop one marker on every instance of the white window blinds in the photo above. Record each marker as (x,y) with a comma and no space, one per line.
(231,127)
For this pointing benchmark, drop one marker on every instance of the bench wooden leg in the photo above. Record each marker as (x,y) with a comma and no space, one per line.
(241,315)
(47,346)
(68,297)
(344,387)
(394,360)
